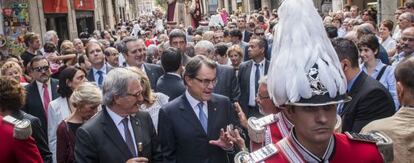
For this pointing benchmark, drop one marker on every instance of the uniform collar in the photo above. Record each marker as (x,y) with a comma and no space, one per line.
(307,155)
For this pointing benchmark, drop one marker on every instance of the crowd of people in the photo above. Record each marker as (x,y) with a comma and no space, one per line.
(157,91)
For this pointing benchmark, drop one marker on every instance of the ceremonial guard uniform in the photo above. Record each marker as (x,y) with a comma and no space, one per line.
(340,148)
(273,132)
(17,145)
(306,81)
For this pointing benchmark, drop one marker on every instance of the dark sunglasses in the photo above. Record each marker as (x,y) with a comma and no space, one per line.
(41,69)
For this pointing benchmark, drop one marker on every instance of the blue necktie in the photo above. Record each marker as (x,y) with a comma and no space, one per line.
(202,116)
(100,78)
(257,76)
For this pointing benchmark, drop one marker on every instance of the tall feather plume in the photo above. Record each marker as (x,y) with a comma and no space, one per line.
(300,42)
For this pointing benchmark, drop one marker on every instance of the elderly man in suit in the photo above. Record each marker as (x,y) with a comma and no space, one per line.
(171,83)
(134,51)
(227,84)
(120,132)
(370,99)
(192,124)
(400,126)
(95,53)
(41,91)
(249,74)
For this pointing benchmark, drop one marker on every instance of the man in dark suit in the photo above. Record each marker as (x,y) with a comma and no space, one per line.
(134,51)
(171,83)
(370,99)
(95,53)
(241,25)
(249,74)
(193,123)
(41,91)
(227,84)
(120,132)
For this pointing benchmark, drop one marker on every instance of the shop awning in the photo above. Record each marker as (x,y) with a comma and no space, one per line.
(55,6)
(84,5)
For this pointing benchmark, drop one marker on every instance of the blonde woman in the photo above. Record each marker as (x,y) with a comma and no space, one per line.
(12,69)
(236,56)
(152,101)
(85,101)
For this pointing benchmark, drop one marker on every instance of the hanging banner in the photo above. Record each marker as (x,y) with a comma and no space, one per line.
(84,5)
(55,6)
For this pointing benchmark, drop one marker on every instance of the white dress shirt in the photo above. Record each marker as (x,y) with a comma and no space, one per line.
(40,89)
(96,75)
(252,85)
(194,102)
(118,123)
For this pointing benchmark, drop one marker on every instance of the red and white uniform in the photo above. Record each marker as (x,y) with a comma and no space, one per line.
(275,132)
(13,150)
(341,149)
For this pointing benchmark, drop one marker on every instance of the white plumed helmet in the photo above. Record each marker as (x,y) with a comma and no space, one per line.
(304,68)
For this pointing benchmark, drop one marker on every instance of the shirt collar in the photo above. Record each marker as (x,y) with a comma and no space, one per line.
(175,74)
(310,157)
(378,66)
(261,62)
(103,69)
(286,121)
(40,84)
(115,117)
(193,102)
(350,83)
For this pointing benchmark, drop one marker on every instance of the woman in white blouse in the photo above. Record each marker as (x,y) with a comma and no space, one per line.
(70,78)
(385,37)
(152,101)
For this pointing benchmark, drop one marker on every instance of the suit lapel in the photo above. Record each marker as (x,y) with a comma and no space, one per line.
(38,96)
(112,131)
(189,115)
(266,66)
(91,77)
(247,74)
(354,91)
(212,111)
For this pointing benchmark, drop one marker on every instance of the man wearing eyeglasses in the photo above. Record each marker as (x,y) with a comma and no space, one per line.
(41,91)
(193,124)
(120,132)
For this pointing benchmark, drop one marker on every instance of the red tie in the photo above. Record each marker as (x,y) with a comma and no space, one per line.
(46,98)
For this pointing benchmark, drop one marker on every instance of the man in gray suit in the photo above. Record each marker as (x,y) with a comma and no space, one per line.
(134,51)
(227,84)
(120,132)
(249,74)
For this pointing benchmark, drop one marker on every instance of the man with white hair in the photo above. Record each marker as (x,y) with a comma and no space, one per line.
(120,132)
(51,36)
(404,21)
(227,84)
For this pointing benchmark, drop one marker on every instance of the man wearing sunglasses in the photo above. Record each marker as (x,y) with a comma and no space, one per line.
(41,91)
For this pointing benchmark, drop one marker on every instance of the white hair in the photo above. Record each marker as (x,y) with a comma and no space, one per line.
(116,83)
(205,44)
(49,36)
